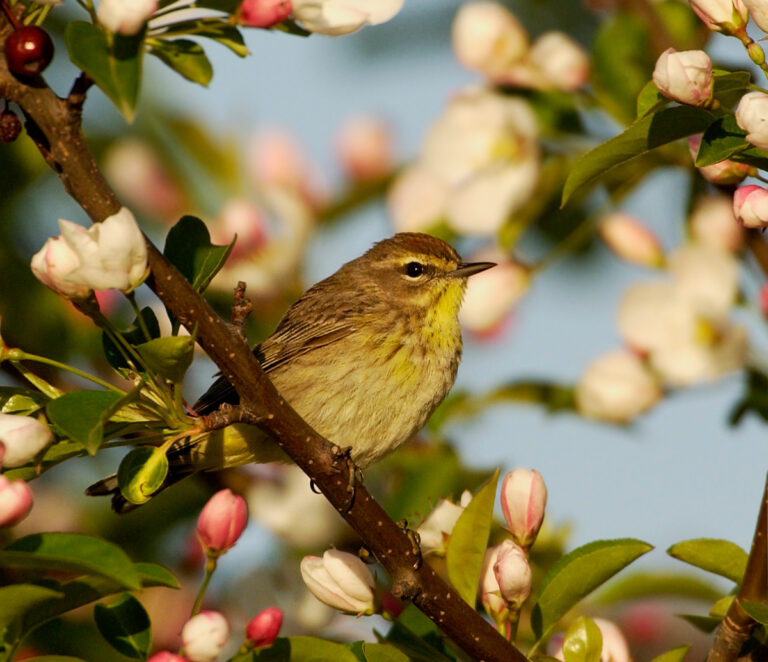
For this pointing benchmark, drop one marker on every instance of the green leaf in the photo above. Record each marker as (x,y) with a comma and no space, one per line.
(290,26)
(169,357)
(583,641)
(16,400)
(134,335)
(116,69)
(189,247)
(71,552)
(152,574)
(141,473)
(185,57)
(722,139)
(215,28)
(703,623)
(577,574)
(15,601)
(81,415)
(721,557)
(650,99)
(721,607)
(646,584)
(299,649)
(674,655)
(756,610)
(383,653)
(730,86)
(640,137)
(125,625)
(416,647)
(469,540)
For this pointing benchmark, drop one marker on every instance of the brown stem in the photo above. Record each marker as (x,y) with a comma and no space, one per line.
(737,625)
(56,125)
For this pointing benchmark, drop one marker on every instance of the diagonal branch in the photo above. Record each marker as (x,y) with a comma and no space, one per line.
(54,125)
(737,625)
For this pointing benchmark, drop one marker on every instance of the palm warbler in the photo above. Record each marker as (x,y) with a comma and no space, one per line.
(364,356)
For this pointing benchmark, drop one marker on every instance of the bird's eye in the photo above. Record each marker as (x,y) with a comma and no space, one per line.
(414,269)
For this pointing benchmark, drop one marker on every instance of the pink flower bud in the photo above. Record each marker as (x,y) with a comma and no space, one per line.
(564,63)
(204,636)
(490,592)
(264,13)
(523,500)
(262,630)
(275,159)
(15,501)
(685,76)
(631,240)
(722,172)
(221,521)
(728,16)
(713,224)
(23,437)
(758,10)
(751,115)
(340,580)
(165,656)
(125,17)
(364,146)
(513,574)
(750,206)
(241,217)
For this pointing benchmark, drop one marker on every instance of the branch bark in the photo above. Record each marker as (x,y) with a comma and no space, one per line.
(737,625)
(55,126)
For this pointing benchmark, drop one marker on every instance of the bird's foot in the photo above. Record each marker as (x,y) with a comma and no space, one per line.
(415,539)
(353,473)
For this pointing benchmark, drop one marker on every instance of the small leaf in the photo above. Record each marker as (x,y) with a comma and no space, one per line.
(721,557)
(469,539)
(583,641)
(291,27)
(141,473)
(169,357)
(189,247)
(134,335)
(299,649)
(650,99)
(18,599)
(577,574)
(152,574)
(116,70)
(721,607)
(722,139)
(756,610)
(125,625)
(414,646)
(15,400)
(226,6)
(186,57)
(730,86)
(674,655)
(211,28)
(81,415)
(640,137)
(703,623)
(383,653)
(71,552)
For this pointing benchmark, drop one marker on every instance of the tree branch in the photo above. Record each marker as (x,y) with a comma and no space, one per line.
(737,625)
(54,125)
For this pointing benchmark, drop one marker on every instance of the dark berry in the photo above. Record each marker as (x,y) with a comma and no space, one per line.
(28,50)
(10,126)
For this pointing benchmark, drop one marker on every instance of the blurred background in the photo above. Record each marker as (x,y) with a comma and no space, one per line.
(678,471)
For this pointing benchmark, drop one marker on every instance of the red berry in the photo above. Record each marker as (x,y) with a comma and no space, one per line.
(28,50)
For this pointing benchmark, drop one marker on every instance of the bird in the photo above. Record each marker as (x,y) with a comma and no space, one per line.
(364,357)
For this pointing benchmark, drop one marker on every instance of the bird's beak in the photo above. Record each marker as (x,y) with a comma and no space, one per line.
(466,269)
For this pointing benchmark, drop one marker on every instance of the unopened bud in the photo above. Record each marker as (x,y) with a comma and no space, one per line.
(630,240)
(221,521)
(751,116)
(204,636)
(750,206)
(727,16)
(523,501)
(15,501)
(165,656)
(262,629)
(685,76)
(264,13)
(513,574)
(340,580)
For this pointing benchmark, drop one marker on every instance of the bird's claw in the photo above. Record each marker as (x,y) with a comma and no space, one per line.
(353,473)
(415,539)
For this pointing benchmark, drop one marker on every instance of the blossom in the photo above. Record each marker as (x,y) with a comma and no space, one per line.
(264,13)
(523,501)
(241,217)
(488,38)
(15,501)
(513,574)
(340,580)
(166,656)
(750,206)
(616,387)
(221,521)
(338,17)
(758,10)
(629,239)
(108,255)
(125,17)
(435,531)
(712,223)
(204,636)
(721,15)
(685,76)
(563,62)
(262,629)
(22,438)
(752,116)
(364,148)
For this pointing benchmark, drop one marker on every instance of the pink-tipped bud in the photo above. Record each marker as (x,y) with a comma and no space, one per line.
(241,217)
(685,76)
(262,630)
(723,172)
(513,574)
(750,116)
(204,636)
(165,656)
(523,501)
(221,521)
(750,206)
(340,580)
(728,16)
(264,13)
(630,240)
(364,146)
(15,501)
(564,63)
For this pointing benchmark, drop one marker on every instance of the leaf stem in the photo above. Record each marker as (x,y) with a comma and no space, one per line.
(20,355)
(210,567)
(38,382)
(131,296)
